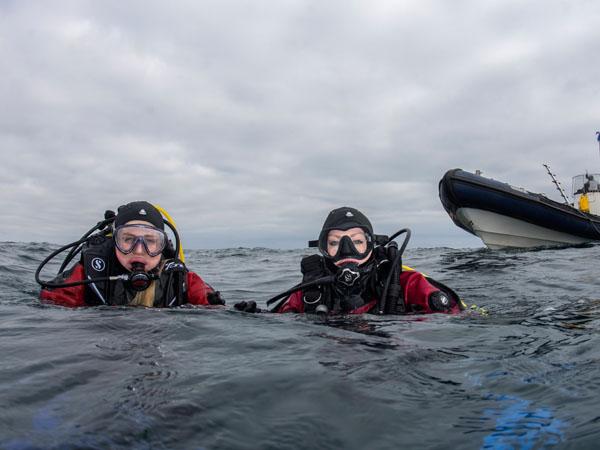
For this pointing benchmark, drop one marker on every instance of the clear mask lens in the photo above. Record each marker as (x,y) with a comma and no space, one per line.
(127,237)
(356,247)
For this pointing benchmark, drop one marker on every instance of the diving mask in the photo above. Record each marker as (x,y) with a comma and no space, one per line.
(127,237)
(339,245)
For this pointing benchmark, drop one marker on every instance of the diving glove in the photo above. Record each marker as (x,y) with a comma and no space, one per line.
(249,307)
(214,298)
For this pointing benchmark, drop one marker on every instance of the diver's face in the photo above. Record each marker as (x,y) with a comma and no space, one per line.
(358,238)
(138,254)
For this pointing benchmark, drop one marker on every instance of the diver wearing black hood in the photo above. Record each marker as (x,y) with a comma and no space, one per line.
(127,259)
(361,272)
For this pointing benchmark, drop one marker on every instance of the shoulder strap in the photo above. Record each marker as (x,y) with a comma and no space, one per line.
(172,289)
(96,257)
(312,268)
(386,283)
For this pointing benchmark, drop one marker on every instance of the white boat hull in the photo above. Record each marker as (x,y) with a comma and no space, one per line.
(498,231)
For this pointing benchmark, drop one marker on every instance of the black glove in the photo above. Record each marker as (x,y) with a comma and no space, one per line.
(249,307)
(214,298)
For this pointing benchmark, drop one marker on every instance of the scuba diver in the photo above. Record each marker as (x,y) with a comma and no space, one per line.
(127,259)
(360,272)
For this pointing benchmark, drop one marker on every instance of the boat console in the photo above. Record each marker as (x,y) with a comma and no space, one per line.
(586,192)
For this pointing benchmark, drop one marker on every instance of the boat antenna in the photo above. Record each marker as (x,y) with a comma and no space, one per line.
(557,184)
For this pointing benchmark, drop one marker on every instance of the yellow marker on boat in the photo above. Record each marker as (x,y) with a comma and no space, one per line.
(584,203)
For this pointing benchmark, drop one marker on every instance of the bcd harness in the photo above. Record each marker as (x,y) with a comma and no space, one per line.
(351,287)
(98,260)
(327,288)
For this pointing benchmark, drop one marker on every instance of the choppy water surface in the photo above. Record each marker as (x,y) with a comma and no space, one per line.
(524,376)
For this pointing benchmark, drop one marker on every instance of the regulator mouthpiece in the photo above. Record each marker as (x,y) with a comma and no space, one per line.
(139,280)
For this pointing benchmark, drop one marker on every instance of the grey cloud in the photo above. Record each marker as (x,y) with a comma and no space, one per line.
(248,121)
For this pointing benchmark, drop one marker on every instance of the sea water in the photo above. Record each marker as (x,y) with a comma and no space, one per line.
(524,375)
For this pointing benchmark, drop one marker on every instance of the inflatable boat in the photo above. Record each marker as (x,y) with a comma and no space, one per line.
(506,216)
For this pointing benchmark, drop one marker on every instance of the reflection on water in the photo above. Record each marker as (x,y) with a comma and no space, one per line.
(518,424)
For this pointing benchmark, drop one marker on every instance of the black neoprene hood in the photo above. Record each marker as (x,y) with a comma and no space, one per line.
(345,218)
(139,210)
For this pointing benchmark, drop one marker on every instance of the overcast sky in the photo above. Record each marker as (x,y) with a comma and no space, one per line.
(249,120)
